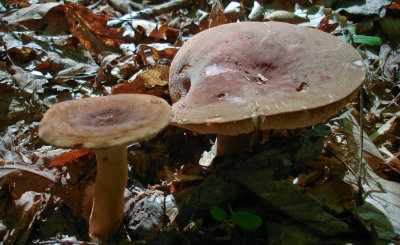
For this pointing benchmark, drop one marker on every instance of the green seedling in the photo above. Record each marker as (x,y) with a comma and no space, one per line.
(243,219)
(360,39)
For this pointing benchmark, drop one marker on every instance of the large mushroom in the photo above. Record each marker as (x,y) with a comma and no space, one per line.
(106,125)
(237,78)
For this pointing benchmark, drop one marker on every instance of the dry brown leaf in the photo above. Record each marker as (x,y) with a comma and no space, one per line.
(21,215)
(325,26)
(336,195)
(72,156)
(164,33)
(92,30)
(33,12)
(395,5)
(150,54)
(386,129)
(285,16)
(306,179)
(217,16)
(234,12)
(395,162)
(173,177)
(381,198)
(153,81)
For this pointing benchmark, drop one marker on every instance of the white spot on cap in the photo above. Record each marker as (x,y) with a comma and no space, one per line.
(235,99)
(214,69)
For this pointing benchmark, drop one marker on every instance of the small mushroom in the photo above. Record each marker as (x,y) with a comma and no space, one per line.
(241,77)
(106,125)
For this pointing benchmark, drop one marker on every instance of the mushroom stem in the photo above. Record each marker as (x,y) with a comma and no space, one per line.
(228,145)
(108,204)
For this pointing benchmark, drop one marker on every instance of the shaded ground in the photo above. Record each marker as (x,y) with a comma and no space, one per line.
(307,192)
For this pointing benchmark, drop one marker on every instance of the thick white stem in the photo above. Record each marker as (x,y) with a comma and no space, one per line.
(108,204)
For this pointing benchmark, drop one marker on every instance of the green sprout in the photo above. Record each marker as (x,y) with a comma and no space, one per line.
(243,219)
(360,39)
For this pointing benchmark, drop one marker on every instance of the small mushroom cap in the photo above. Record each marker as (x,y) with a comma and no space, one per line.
(104,122)
(239,77)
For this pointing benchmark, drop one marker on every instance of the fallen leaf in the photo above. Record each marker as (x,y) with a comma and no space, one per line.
(234,12)
(381,198)
(146,211)
(285,16)
(301,205)
(217,16)
(153,81)
(257,12)
(389,61)
(367,7)
(22,214)
(33,12)
(394,5)
(72,156)
(387,128)
(325,26)
(92,30)
(336,195)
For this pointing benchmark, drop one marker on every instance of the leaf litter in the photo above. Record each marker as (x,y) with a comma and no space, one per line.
(316,189)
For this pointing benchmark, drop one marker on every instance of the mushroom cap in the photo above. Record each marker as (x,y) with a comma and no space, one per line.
(104,122)
(239,77)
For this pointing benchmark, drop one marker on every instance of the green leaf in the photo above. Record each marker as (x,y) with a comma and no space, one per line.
(246,220)
(352,30)
(369,40)
(218,213)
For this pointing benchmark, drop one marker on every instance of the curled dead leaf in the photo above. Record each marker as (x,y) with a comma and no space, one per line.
(285,16)
(73,156)
(153,81)
(92,30)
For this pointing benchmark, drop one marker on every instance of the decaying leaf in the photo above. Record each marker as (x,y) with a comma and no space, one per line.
(92,30)
(301,205)
(389,60)
(22,214)
(285,16)
(33,12)
(52,52)
(336,195)
(381,198)
(386,129)
(234,12)
(70,157)
(325,26)
(150,54)
(176,178)
(257,12)
(217,16)
(148,211)
(153,81)
(145,29)
(368,7)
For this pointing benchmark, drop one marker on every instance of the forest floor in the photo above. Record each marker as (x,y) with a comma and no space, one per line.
(334,183)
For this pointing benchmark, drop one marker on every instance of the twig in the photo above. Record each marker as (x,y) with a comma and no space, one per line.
(169,6)
(58,241)
(361,164)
